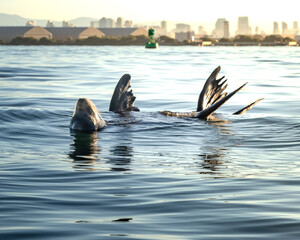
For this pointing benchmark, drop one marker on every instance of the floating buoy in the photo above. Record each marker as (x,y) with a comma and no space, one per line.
(151,43)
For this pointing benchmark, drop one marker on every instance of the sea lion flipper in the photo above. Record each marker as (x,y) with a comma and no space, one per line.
(213,90)
(208,111)
(122,100)
(247,108)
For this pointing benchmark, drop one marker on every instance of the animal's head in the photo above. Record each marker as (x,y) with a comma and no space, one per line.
(84,105)
(86,116)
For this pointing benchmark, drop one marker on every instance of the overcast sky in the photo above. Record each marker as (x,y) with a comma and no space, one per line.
(260,12)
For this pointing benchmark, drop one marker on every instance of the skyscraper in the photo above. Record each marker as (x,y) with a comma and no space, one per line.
(164,27)
(226,29)
(295,25)
(110,23)
(284,28)
(181,27)
(102,22)
(120,22)
(243,26)
(50,23)
(219,28)
(106,23)
(276,28)
(295,28)
(128,23)
(256,30)
(201,30)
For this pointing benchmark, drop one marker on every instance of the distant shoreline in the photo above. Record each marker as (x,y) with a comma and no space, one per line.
(160,45)
(141,40)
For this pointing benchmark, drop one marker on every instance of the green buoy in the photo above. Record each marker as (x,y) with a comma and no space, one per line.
(151,43)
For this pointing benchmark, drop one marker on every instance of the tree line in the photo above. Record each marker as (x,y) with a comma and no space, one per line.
(141,40)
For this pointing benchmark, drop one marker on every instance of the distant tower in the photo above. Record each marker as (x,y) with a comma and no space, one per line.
(128,23)
(120,22)
(110,23)
(276,28)
(181,27)
(219,28)
(256,30)
(50,24)
(295,25)
(243,26)
(284,28)
(226,29)
(67,24)
(164,27)
(201,30)
(102,22)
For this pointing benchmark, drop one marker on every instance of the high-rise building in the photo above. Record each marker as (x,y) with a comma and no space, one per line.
(221,28)
(276,28)
(106,23)
(284,28)
(110,23)
(102,22)
(164,27)
(128,23)
(120,22)
(201,31)
(181,27)
(243,26)
(295,25)
(67,24)
(226,29)
(257,30)
(50,23)
(295,28)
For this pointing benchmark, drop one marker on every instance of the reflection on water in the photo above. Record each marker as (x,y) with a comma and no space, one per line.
(211,161)
(84,149)
(121,157)
(212,153)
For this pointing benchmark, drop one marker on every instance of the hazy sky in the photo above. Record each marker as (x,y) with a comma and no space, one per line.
(260,12)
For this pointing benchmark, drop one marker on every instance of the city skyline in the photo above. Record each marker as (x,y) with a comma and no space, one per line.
(260,13)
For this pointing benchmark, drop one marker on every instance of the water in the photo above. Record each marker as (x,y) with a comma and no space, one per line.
(148,176)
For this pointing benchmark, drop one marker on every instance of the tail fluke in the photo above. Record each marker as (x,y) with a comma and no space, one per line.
(204,114)
(122,100)
(245,109)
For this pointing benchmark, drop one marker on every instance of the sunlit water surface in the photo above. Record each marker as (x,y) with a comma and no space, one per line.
(148,176)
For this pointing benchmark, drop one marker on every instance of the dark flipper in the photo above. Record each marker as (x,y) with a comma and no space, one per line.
(204,114)
(212,91)
(245,109)
(122,100)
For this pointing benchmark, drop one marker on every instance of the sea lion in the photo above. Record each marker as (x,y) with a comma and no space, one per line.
(86,116)
(211,98)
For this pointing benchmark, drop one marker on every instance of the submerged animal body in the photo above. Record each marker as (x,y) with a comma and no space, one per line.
(86,116)
(211,98)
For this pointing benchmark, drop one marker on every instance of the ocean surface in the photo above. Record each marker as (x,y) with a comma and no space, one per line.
(149,176)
